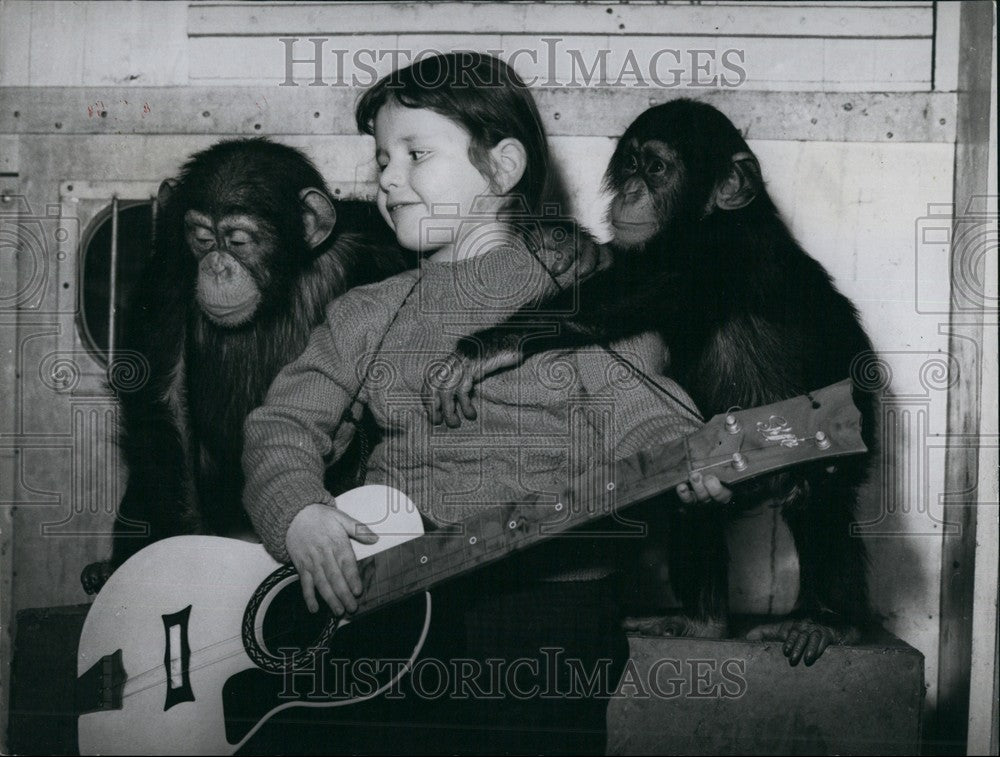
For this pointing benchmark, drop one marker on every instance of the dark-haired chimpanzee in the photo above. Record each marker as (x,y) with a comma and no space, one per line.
(249,248)
(701,255)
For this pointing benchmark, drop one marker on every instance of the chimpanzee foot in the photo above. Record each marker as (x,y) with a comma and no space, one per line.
(804,638)
(95,575)
(678,625)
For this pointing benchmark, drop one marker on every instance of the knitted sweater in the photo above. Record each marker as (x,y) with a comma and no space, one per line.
(537,426)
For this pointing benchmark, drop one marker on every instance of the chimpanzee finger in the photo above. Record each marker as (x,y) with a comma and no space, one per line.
(717,491)
(818,642)
(589,258)
(698,486)
(465,396)
(558,261)
(449,409)
(798,640)
(685,494)
(432,403)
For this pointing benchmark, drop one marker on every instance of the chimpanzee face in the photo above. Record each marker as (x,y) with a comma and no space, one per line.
(675,166)
(648,177)
(234,256)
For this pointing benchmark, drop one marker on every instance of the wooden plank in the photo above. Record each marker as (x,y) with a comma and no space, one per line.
(15,20)
(946,47)
(812,3)
(813,116)
(57,45)
(140,44)
(984,694)
(968,330)
(860,65)
(319,19)
(9,153)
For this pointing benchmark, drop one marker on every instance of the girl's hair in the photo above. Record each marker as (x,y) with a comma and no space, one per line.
(482,94)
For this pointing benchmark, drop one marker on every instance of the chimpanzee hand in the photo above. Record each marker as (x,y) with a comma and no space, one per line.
(449,385)
(702,489)
(806,638)
(561,246)
(319,545)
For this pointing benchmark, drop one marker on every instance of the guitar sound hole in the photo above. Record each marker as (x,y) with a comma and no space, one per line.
(288,622)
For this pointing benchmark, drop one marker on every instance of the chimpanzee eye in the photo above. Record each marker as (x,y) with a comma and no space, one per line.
(631,164)
(656,166)
(239,239)
(202,241)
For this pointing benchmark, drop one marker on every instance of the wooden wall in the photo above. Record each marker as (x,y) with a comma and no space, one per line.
(851,108)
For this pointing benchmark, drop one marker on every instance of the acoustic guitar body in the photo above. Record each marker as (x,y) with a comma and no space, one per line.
(186,649)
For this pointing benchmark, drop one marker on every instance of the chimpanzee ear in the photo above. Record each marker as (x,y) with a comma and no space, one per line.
(164,193)
(318,216)
(740,187)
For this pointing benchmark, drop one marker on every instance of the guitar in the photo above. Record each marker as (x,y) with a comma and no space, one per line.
(191,640)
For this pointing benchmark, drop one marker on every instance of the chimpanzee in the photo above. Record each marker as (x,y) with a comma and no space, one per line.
(249,248)
(701,255)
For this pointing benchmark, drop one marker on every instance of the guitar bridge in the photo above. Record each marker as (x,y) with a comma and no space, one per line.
(100,688)
(177,658)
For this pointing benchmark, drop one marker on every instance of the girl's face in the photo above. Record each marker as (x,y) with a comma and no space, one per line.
(427,183)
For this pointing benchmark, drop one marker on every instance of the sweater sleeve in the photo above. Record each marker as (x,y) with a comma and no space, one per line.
(288,440)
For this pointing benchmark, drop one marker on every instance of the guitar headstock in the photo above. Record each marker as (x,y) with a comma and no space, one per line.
(746,443)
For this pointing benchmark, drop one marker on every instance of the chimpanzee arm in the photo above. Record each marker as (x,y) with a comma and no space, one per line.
(159,498)
(611,304)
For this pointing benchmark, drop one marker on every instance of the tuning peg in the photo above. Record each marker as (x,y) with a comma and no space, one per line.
(822,441)
(733,424)
(739,461)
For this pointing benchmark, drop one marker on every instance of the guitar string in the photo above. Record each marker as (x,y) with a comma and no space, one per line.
(402,590)
(692,411)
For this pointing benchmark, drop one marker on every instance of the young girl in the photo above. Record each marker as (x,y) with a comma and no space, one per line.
(461,152)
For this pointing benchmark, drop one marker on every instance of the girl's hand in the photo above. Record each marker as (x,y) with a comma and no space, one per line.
(319,544)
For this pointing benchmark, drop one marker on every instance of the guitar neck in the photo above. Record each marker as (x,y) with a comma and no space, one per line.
(436,557)
(733,447)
